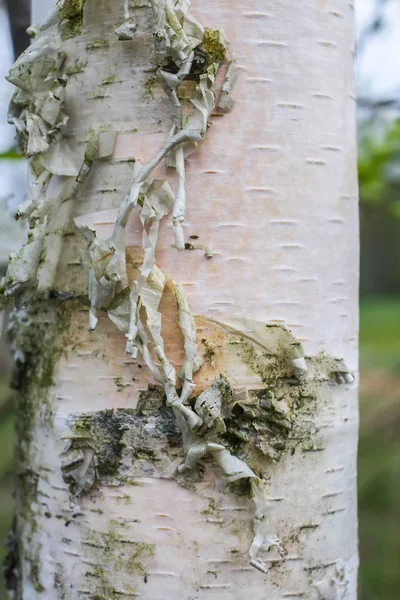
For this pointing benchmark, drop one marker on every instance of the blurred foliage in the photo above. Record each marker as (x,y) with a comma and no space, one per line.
(379,445)
(379,180)
(379,450)
(380,334)
(379,167)
(11,154)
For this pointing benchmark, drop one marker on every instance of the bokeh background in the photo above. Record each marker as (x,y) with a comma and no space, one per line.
(378,49)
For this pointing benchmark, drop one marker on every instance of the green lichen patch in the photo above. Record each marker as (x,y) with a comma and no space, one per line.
(78,67)
(36,572)
(28,512)
(70,9)
(248,422)
(71,28)
(115,560)
(207,56)
(98,96)
(211,509)
(214,43)
(209,353)
(120,384)
(259,422)
(149,85)
(59,582)
(151,401)
(96,44)
(111,80)
(71,12)
(276,413)
(269,367)
(335,370)
(38,332)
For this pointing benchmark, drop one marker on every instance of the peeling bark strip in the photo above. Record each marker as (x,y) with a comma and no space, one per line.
(247,456)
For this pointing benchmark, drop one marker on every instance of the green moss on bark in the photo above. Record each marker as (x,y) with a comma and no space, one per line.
(126,440)
(38,332)
(113,556)
(214,44)
(71,18)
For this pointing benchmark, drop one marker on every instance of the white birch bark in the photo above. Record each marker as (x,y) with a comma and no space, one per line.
(272,189)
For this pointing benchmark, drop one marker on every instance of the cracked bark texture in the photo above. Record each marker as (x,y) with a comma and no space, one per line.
(273,190)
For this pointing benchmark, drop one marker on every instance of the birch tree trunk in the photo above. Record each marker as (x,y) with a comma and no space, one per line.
(130,484)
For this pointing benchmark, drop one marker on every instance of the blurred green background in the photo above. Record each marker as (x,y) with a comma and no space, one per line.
(379,447)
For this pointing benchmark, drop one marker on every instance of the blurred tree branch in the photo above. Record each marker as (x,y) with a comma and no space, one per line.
(373,27)
(375,104)
(20,18)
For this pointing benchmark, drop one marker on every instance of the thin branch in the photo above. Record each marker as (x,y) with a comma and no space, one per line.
(378,104)
(374,26)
